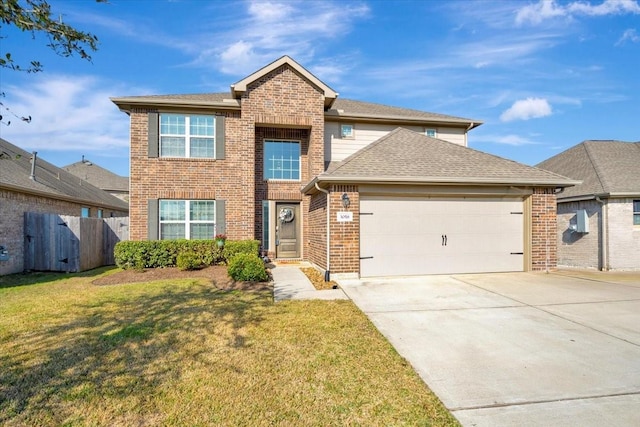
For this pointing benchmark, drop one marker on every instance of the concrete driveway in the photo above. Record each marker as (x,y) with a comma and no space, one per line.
(517,349)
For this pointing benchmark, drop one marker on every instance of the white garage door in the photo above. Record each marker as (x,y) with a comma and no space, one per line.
(409,236)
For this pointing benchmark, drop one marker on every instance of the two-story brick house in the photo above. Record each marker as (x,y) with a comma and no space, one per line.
(356,188)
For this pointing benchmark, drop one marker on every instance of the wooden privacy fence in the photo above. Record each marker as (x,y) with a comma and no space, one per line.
(70,243)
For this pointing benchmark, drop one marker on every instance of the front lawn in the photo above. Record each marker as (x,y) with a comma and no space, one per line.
(182,352)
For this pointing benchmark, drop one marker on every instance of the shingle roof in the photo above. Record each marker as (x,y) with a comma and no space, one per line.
(348,108)
(98,176)
(352,108)
(50,180)
(605,168)
(407,156)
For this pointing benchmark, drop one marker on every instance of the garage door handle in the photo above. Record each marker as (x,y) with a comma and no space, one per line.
(517,253)
(366,257)
(444,240)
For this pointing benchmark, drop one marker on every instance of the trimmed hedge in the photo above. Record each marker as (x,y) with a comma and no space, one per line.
(163,253)
(245,267)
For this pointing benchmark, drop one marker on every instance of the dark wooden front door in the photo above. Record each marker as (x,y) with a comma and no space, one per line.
(287,230)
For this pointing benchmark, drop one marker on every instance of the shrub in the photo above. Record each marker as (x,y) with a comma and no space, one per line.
(164,253)
(247,267)
(189,261)
(232,248)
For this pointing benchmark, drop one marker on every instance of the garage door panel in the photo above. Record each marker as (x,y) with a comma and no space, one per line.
(404,236)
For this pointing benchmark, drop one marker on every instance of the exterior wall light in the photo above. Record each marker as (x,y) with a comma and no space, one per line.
(345,200)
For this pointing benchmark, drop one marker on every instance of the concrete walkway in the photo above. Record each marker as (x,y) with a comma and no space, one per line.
(290,283)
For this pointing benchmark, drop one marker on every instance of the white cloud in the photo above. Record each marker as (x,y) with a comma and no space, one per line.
(548,9)
(526,109)
(68,113)
(510,139)
(275,28)
(630,35)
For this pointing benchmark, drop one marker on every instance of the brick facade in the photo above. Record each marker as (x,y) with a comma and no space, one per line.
(579,249)
(543,230)
(13,205)
(613,242)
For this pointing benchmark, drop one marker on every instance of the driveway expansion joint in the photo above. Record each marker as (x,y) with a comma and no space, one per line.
(542,401)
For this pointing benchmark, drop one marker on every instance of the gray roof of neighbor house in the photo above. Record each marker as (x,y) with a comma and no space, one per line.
(49,180)
(606,168)
(404,156)
(98,176)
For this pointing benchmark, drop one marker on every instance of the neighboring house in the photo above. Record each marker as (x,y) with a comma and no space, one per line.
(102,178)
(599,220)
(354,187)
(29,184)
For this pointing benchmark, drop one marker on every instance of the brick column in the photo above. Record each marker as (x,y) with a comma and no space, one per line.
(345,236)
(544,254)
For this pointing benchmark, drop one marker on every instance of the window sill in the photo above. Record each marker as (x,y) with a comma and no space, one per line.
(188,159)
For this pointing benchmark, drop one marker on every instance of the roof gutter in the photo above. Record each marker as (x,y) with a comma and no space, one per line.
(60,197)
(432,181)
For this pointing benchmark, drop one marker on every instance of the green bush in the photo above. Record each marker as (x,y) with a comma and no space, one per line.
(189,261)
(235,247)
(164,253)
(246,267)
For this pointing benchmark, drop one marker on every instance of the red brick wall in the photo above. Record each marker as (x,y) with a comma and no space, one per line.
(317,239)
(345,236)
(280,104)
(161,178)
(544,254)
(13,205)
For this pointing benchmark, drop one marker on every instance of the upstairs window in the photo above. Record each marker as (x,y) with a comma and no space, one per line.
(187,219)
(282,160)
(346,131)
(431,132)
(636,212)
(85,212)
(187,136)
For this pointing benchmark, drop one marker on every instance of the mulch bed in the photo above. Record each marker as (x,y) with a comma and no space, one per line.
(217,276)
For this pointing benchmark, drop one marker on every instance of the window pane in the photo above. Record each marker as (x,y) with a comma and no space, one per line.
(636,206)
(172,146)
(636,219)
(201,125)
(202,231)
(172,231)
(201,147)
(202,210)
(173,124)
(85,212)
(282,160)
(172,210)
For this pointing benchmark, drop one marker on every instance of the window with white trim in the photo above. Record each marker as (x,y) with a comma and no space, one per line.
(346,131)
(187,136)
(636,212)
(187,219)
(431,132)
(282,160)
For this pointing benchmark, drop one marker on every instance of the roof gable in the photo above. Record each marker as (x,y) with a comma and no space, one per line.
(98,176)
(49,180)
(604,167)
(407,156)
(240,87)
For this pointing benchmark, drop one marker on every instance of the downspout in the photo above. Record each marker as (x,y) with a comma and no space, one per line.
(327,273)
(605,234)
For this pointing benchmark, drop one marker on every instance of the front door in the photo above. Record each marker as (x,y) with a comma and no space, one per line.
(287,230)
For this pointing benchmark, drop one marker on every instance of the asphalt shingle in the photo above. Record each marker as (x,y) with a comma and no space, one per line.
(604,167)
(404,154)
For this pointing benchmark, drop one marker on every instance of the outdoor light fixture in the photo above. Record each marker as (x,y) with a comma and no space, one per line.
(345,200)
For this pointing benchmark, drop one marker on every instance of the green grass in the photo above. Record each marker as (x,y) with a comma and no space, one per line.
(182,353)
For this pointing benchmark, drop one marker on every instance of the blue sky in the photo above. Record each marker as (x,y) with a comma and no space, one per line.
(542,75)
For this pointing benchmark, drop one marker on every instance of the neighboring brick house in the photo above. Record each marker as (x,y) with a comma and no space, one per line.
(599,220)
(43,188)
(100,177)
(261,161)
